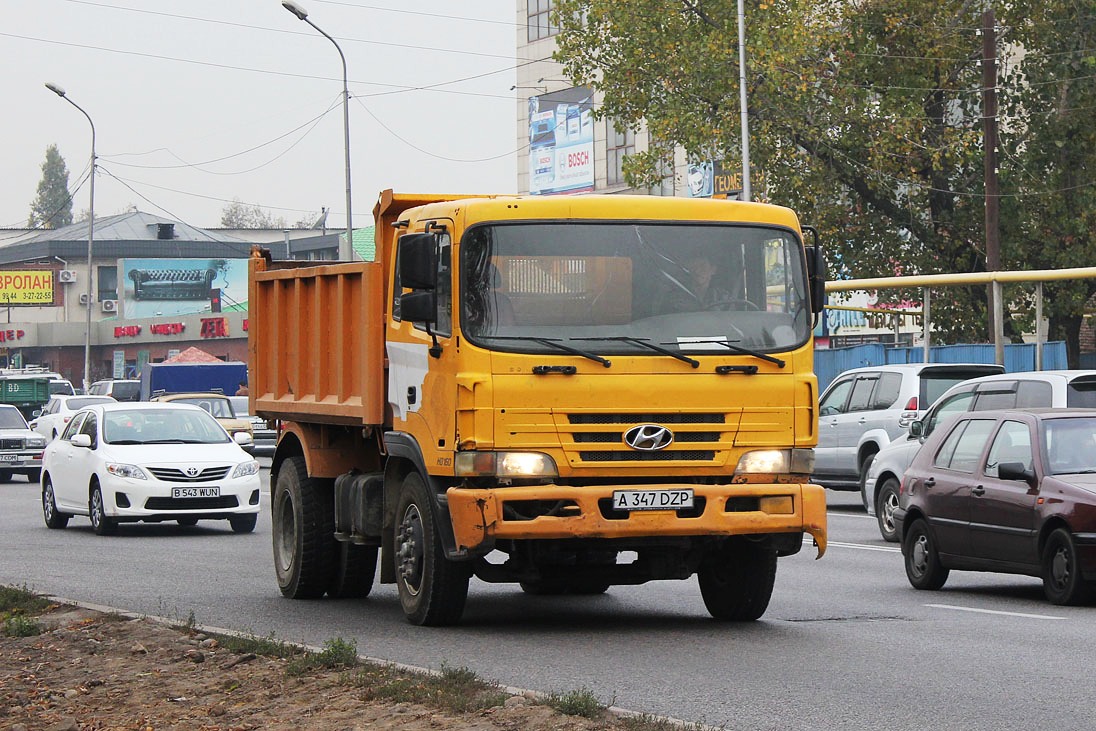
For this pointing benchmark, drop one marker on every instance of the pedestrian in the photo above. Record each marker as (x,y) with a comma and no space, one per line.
(242,390)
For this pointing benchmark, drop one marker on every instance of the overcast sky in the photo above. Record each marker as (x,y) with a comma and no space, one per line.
(197,103)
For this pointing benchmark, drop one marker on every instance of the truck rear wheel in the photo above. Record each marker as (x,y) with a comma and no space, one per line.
(432,589)
(354,572)
(736,580)
(303,528)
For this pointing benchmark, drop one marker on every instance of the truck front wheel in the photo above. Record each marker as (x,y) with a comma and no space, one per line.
(736,580)
(432,589)
(303,529)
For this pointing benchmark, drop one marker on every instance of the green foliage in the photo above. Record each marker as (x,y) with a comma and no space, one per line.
(457,690)
(580,702)
(238,214)
(866,118)
(336,653)
(266,646)
(52,206)
(21,626)
(15,599)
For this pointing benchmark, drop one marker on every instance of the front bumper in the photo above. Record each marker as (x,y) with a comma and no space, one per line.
(131,500)
(21,461)
(480,516)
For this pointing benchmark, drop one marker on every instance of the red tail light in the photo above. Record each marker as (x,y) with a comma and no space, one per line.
(911,405)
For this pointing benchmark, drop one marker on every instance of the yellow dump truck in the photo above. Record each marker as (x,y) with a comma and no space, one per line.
(567,393)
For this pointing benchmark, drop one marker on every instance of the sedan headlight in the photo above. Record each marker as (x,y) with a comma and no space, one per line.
(246,469)
(126,470)
(504,464)
(36,442)
(777,461)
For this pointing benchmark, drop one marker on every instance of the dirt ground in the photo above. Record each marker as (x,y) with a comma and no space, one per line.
(89,671)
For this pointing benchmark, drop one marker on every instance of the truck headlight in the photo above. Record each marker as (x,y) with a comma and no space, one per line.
(504,464)
(777,461)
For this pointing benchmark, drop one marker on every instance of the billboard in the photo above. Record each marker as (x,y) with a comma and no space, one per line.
(561,142)
(161,287)
(26,287)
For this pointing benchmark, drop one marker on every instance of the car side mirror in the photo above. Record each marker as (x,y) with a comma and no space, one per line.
(81,440)
(243,438)
(917,428)
(1015,471)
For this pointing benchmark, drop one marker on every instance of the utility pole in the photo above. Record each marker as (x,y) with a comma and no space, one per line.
(996,308)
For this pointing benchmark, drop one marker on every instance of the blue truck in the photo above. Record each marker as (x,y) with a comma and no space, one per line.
(161,378)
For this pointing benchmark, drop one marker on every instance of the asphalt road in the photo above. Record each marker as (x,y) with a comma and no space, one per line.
(846,642)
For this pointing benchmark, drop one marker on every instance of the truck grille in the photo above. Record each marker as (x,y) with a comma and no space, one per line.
(172,474)
(690,436)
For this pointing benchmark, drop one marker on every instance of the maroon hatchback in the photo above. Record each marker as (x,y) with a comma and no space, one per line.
(1008,491)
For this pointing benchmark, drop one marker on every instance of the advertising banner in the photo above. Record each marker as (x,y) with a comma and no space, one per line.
(26,287)
(561,142)
(162,287)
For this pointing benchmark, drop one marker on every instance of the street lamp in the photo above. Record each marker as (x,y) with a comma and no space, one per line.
(91,236)
(346,249)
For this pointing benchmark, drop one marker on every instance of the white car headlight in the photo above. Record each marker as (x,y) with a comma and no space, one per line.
(126,470)
(504,464)
(36,442)
(245,469)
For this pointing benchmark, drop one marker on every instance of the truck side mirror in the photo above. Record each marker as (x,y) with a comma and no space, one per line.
(816,273)
(418,257)
(419,306)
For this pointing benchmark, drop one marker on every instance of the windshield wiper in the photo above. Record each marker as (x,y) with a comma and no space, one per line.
(739,349)
(555,343)
(644,343)
(124,441)
(174,441)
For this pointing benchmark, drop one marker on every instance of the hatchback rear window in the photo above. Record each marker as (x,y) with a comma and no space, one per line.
(1081,392)
(934,381)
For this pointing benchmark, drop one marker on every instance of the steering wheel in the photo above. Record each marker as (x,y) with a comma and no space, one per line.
(725,305)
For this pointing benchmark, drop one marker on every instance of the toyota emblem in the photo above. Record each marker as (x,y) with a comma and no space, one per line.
(648,437)
(192,471)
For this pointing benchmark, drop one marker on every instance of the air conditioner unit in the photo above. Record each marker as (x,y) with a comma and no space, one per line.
(66,276)
(110,305)
(84,298)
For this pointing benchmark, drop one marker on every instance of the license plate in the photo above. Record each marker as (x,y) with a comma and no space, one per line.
(185,492)
(10,458)
(652,499)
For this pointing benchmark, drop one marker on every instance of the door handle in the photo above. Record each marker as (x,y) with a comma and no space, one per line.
(978,490)
(931,482)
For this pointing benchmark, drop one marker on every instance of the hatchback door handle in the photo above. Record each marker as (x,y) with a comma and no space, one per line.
(978,490)
(931,482)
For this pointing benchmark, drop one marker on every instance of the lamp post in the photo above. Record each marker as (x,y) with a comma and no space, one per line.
(91,236)
(346,249)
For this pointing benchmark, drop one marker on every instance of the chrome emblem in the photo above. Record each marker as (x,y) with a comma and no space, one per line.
(648,437)
(192,471)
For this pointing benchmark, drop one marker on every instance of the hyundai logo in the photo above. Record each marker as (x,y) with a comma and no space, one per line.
(648,437)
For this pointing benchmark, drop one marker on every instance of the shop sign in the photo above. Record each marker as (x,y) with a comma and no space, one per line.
(167,328)
(127,331)
(6,335)
(214,327)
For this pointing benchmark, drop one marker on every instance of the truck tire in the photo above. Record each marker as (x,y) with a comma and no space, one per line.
(432,589)
(356,566)
(303,529)
(736,580)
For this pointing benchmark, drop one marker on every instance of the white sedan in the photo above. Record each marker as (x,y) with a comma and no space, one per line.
(60,408)
(128,462)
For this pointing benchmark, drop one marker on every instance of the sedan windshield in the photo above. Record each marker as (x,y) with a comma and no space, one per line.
(162,426)
(621,287)
(10,418)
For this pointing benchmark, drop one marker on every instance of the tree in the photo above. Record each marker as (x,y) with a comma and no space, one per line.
(865,116)
(52,206)
(238,214)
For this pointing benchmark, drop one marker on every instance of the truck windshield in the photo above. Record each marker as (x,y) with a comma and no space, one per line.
(688,287)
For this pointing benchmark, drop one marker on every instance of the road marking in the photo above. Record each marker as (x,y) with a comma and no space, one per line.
(865,547)
(992,611)
(840,514)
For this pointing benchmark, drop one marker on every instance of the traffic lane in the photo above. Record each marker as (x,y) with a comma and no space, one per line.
(845,643)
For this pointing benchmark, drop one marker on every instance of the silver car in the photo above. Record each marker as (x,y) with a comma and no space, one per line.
(265,436)
(1056,389)
(865,409)
(20,446)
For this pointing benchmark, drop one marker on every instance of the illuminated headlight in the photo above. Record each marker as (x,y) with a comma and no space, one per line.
(777,461)
(504,464)
(36,442)
(245,469)
(126,470)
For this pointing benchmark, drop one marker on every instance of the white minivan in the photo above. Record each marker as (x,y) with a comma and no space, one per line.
(1055,389)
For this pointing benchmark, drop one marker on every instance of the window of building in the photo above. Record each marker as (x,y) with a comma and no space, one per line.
(619,145)
(666,186)
(539,25)
(107,284)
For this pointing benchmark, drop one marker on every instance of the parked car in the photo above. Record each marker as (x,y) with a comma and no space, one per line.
(865,409)
(1058,389)
(129,462)
(20,447)
(59,409)
(218,406)
(1010,491)
(265,436)
(121,389)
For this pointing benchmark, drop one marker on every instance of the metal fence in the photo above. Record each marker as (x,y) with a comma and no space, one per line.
(830,362)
